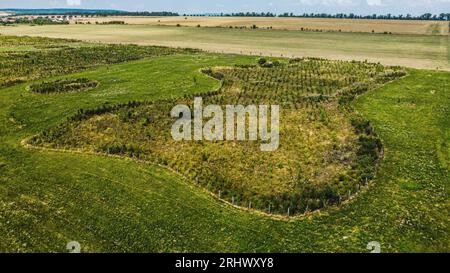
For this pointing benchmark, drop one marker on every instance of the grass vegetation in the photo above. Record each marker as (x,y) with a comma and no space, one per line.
(108,204)
(322,161)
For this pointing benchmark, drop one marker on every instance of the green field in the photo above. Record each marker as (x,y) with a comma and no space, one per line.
(325,155)
(108,204)
(416,51)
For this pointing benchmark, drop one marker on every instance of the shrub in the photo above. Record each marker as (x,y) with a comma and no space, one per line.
(362,126)
(61,86)
(370,146)
(262,61)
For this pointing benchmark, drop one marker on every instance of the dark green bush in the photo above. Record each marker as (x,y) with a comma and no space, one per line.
(262,61)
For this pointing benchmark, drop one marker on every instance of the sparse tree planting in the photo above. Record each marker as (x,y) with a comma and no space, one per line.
(315,95)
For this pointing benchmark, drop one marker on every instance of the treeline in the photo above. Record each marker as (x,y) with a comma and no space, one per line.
(126,13)
(238,14)
(104,13)
(89,13)
(426,16)
(101,23)
(111,23)
(37,21)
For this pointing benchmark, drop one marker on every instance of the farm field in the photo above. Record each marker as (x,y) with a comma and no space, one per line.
(416,51)
(117,204)
(345,25)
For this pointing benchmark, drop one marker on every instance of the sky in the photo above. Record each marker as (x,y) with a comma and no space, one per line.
(364,7)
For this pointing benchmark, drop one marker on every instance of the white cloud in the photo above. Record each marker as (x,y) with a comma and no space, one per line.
(73,2)
(329,2)
(374,2)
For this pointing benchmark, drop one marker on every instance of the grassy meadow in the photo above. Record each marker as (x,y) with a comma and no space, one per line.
(109,204)
(416,51)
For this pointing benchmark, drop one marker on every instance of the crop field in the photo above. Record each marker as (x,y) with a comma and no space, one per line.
(84,153)
(311,24)
(416,51)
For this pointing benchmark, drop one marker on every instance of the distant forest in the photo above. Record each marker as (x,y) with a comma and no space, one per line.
(134,13)
(80,12)
(77,12)
(426,16)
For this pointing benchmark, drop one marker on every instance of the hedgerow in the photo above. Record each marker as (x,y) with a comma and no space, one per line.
(61,86)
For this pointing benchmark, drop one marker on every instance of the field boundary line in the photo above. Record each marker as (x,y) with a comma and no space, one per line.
(320,212)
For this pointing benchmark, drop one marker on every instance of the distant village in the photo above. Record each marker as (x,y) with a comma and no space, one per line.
(47,19)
